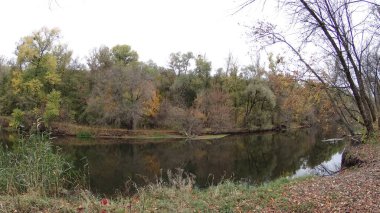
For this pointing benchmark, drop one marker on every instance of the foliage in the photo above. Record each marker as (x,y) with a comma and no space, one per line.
(52,106)
(124,54)
(345,41)
(180,62)
(17,118)
(116,89)
(257,99)
(188,121)
(216,106)
(120,96)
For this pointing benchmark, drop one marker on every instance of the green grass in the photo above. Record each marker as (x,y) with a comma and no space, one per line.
(84,135)
(32,165)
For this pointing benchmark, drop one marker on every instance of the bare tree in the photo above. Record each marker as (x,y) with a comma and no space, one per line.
(344,31)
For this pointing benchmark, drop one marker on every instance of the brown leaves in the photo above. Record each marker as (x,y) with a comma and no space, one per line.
(355,190)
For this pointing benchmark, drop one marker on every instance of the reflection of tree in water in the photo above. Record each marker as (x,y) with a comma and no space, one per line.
(322,151)
(265,157)
(107,164)
(256,159)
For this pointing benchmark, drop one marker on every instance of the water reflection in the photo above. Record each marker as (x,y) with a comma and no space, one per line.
(253,158)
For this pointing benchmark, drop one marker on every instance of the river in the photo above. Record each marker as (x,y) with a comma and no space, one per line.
(252,158)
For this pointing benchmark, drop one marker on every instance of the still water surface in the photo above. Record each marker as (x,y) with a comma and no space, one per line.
(255,158)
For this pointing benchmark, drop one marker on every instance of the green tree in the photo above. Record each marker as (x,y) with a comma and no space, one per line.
(184,90)
(258,100)
(52,107)
(124,54)
(100,59)
(203,70)
(180,62)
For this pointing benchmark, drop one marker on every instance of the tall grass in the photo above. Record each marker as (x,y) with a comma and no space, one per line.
(33,165)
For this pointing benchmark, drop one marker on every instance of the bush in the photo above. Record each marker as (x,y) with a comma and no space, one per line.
(32,165)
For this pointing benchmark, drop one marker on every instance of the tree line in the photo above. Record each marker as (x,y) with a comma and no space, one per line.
(114,88)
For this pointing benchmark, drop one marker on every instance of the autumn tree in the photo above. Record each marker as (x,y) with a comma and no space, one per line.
(122,90)
(188,121)
(216,106)
(340,30)
(36,76)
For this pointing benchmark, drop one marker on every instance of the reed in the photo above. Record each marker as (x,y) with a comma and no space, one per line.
(33,164)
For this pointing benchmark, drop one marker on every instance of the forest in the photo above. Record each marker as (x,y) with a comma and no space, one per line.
(115,89)
(336,83)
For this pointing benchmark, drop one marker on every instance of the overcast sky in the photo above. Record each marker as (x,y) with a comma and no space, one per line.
(153,28)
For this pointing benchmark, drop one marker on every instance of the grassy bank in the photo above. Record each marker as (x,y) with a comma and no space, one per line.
(224,197)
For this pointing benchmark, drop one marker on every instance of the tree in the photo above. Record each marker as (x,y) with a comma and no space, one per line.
(74,92)
(180,62)
(258,99)
(188,121)
(36,76)
(216,106)
(203,70)
(100,59)
(342,32)
(4,84)
(52,107)
(232,67)
(120,96)
(184,90)
(124,54)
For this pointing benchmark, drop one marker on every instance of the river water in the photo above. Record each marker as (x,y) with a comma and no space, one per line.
(253,158)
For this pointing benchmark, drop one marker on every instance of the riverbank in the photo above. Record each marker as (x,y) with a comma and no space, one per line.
(103,132)
(354,189)
(69,129)
(82,131)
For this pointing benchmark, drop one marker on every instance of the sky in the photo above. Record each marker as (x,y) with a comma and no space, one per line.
(153,28)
